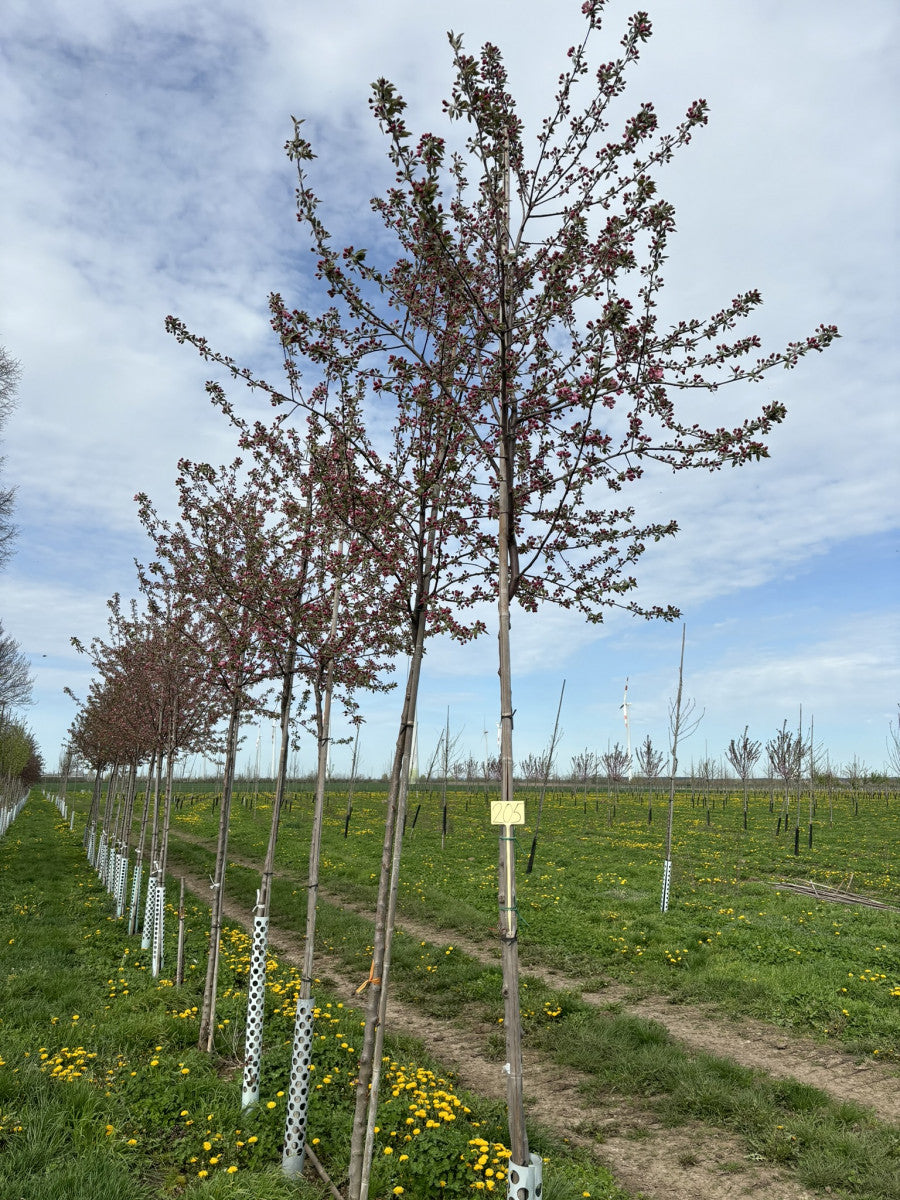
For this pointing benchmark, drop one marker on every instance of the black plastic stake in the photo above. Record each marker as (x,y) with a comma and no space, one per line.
(530,863)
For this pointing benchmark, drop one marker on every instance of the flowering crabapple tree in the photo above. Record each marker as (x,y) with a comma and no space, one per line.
(152,684)
(213,558)
(404,510)
(312,577)
(117,722)
(185,712)
(560,368)
(522,308)
(90,737)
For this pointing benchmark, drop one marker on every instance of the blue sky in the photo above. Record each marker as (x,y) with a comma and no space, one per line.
(144,174)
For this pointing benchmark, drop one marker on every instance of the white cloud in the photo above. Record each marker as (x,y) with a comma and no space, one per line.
(144,174)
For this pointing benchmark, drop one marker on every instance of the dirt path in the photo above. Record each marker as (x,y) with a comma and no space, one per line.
(647,1159)
(748,1042)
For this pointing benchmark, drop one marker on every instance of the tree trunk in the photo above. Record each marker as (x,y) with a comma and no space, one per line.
(160,900)
(376,984)
(90,825)
(153,878)
(384,973)
(670,817)
(208,1010)
(256,987)
(139,853)
(507,567)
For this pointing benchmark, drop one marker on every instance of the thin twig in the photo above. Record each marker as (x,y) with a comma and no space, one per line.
(321,1172)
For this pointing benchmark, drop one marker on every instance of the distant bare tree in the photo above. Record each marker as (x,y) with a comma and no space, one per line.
(546,763)
(9,381)
(893,745)
(491,767)
(448,763)
(786,752)
(706,773)
(743,754)
(584,767)
(855,772)
(650,763)
(616,764)
(15,674)
(534,767)
(683,721)
(473,770)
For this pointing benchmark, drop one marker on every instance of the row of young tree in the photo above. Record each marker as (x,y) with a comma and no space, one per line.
(448,426)
(20,761)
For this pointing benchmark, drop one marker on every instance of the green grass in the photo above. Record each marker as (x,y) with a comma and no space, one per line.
(103,1094)
(591,908)
(591,905)
(827,1144)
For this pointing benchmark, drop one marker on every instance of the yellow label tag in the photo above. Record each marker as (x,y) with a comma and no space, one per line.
(507,812)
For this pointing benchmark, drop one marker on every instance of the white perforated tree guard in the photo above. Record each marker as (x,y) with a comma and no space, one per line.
(667,880)
(256,1001)
(298,1090)
(100,859)
(159,918)
(110,877)
(149,913)
(121,885)
(525,1183)
(135,898)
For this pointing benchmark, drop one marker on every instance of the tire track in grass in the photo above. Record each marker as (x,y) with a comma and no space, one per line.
(748,1042)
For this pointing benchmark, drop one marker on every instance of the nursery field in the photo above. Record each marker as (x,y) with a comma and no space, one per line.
(735,935)
(160,1118)
(103,1095)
